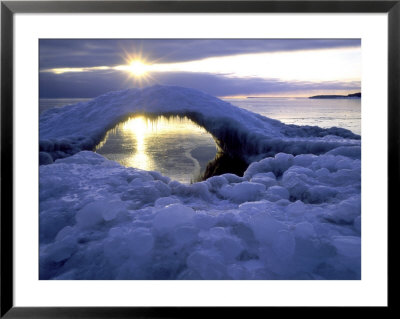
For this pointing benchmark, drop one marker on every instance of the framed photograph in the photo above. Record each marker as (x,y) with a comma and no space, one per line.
(165,157)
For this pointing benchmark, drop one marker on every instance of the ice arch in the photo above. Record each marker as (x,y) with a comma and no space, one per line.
(238,132)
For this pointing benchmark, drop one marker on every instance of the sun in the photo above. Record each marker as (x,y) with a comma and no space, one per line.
(138,68)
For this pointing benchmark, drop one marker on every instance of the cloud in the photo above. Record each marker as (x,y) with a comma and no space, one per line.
(82,84)
(91,84)
(219,85)
(68,53)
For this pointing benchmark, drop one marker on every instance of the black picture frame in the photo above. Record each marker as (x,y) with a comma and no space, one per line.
(9,8)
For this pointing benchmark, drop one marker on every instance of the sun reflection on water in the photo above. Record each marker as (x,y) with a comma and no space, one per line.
(137,129)
(163,144)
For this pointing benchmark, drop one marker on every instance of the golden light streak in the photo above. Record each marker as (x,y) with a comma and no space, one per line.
(85,69)
(137,129)
(142,130)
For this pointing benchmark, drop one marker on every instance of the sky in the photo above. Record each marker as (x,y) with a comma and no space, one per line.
(86,68)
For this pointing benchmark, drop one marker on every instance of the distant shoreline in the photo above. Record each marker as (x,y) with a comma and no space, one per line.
(349,96)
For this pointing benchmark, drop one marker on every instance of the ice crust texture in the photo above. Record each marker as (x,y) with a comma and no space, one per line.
(295,214)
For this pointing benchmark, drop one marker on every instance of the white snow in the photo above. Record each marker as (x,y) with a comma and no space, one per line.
(295,214)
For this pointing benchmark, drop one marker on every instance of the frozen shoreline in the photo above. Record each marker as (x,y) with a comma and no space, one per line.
(295,214)
(68,130)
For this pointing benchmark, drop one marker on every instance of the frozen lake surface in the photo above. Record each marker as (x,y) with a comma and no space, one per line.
(345,113)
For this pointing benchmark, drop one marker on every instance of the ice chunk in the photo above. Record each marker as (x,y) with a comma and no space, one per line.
(204,220)
(349,151)
(200,190)
(65,232)
(319,194)
(304,230)
(304,160)
(237,272)
(297,208)
(232,178)
(116,251)
(172,216)
(344,163)
(275,193)
(297,184)
(216,182)
(257,207)
(84,157)
(160,177)
(95,212)
(284,244)
(45,158)
(162,188)
(165,201)
(138,178)
(254,168)
(208,264)
(349,246)
(345,212)
(111,209)
(322,172)
(185,235)
(281,163)
(265,227)
(116,232)
(265,180)
(243,192)
(140,241)
(141,193)
(229,247)
(62,249)
(90,215)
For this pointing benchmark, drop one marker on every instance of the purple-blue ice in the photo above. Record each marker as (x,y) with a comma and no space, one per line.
(295,213)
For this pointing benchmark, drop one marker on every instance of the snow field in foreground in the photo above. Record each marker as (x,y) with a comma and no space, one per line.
(288,217)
